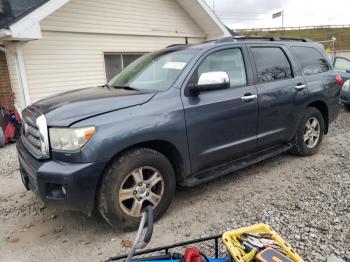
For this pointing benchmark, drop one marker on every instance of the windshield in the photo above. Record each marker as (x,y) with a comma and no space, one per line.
(155,71)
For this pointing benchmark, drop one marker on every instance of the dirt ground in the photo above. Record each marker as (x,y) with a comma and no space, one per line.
(307,200)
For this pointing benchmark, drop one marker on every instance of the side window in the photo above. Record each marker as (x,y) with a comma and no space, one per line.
(271,64)
(311,60)
(229,61)
(342,64)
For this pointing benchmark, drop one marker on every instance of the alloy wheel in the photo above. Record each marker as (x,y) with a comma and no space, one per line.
(141,187)
(312,132)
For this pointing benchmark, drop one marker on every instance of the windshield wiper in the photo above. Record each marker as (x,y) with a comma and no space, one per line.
(126,87)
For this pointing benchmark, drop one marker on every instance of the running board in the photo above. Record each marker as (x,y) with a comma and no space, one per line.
(234,165)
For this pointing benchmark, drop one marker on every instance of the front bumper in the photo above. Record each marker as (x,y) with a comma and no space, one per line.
(68,185)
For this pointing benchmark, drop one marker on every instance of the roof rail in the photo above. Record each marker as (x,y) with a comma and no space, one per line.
(175,45)
(264,38)
(226,39)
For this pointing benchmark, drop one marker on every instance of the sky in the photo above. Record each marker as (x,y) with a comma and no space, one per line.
(238,14)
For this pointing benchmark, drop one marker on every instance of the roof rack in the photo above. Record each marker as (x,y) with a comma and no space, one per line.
(264,38)
(175,45)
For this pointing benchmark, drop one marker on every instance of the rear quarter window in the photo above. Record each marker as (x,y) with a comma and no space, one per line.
(310,59)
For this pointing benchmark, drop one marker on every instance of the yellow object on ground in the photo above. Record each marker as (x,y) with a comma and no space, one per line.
(233,245)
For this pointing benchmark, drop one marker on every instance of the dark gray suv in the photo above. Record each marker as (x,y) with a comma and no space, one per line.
(179,116)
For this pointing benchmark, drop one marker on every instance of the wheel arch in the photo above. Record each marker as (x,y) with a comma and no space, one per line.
(168,149)
(323,108)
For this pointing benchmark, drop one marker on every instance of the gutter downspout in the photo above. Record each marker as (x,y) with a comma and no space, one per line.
(21,72)
(20,67)
(24,97)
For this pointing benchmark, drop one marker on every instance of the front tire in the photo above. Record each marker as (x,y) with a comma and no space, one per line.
(309,134)
(139,177)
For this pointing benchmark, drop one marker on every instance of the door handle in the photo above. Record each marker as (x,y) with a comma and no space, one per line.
(300,86)
(249,97)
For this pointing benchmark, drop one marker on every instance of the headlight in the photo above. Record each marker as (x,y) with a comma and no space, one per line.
(70,139)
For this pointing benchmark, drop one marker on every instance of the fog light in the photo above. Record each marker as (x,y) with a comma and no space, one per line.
(56,191)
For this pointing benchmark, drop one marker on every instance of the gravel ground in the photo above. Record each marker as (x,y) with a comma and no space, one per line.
(306,200)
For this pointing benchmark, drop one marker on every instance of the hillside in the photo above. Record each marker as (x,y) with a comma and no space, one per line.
(341,34)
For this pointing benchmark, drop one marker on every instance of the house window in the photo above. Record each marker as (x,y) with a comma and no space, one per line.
(115,63)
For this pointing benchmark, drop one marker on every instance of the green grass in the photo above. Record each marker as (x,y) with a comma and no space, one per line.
(341,34)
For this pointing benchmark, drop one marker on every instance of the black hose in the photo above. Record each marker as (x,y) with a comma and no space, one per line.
(150,223)
(205,257)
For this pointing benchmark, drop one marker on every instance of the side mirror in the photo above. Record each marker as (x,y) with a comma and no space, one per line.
(210,81)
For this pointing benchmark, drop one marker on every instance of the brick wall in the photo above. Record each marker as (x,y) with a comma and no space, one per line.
(6,94)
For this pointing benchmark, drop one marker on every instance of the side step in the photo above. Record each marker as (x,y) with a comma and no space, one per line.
(234,165)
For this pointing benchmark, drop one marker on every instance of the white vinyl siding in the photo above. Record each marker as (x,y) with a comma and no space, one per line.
(64,61)
(129,17)
(70,54)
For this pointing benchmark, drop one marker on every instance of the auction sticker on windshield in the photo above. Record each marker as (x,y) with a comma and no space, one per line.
(174,65)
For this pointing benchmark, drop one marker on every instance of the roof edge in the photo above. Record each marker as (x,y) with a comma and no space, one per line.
(215,18)
(28,27)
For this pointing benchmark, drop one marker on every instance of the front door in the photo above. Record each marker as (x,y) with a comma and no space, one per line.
(221,125)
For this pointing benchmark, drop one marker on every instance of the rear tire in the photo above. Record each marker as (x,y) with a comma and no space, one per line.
(309,134)
(139,177)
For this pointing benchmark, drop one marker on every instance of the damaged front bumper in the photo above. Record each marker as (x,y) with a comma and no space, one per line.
(68,185)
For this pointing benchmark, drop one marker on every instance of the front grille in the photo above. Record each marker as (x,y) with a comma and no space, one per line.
(34,136)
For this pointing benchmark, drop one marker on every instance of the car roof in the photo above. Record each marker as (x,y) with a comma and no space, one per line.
(244,40)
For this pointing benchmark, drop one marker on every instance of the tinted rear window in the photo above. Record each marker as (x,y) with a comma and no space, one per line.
(311,60)
(271,64)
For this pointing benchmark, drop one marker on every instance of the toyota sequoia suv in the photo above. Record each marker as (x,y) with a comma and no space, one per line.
(180,116)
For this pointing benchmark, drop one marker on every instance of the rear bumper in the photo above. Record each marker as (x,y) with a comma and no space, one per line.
(68,185)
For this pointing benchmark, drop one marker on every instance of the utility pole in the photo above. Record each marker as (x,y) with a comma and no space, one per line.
(282,19)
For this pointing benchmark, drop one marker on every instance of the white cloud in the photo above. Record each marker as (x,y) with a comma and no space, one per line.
(255,14)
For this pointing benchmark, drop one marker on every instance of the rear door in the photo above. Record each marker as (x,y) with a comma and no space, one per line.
(319,75)
(281,88)
(221,125)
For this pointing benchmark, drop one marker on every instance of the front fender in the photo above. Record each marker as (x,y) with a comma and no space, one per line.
(161,118)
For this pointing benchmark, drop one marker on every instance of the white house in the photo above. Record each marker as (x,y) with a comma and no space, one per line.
(58,45)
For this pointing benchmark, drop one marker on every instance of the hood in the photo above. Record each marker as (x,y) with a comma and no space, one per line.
(69,107)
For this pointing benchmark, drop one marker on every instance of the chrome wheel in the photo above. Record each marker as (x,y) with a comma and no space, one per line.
(312,132)
(141,187)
